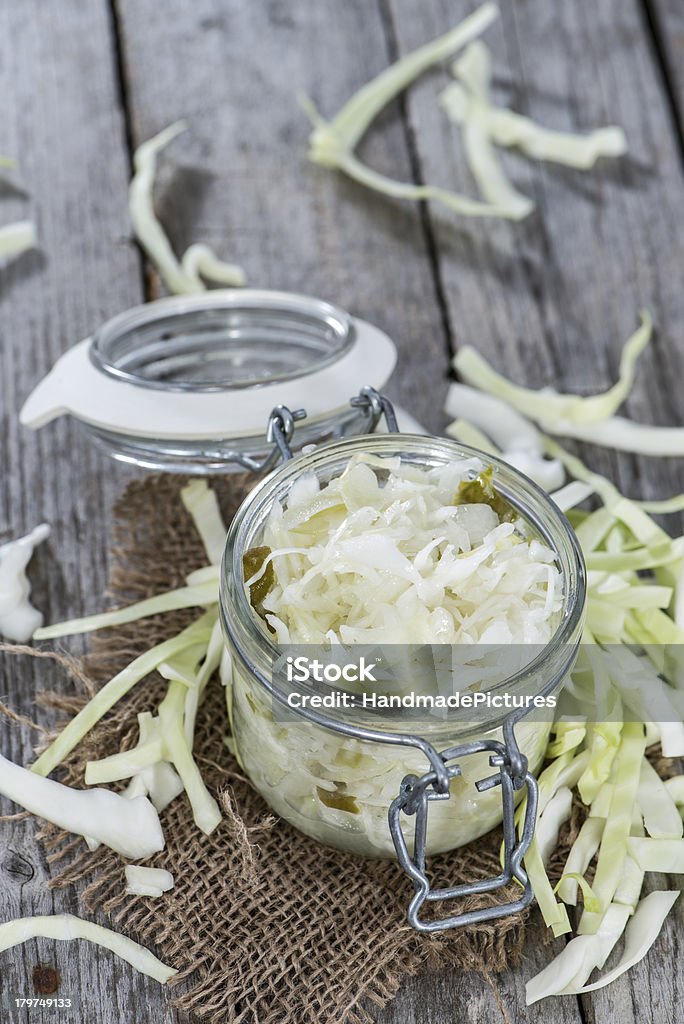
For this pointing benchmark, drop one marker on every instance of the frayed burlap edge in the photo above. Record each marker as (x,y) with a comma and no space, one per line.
(263,924)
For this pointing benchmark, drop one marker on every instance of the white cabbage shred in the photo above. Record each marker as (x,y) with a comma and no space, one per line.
(333,143)
(625,692)
(130,827)
(161,766)
(200,501)
(404,559)
(199,262)
(116,688)
(144,881)
(17,238)
(18,618)
(585,419)
(21,235)
(467,102)
(516,439)
(474,69)
(65,927)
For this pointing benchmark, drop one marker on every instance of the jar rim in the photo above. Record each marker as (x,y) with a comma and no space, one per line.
(202,343)
(259,651)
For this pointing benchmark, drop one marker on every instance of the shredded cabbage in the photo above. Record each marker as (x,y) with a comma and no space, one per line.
(664,855)
(675,788)
(17,238)
(405,559)
(548,406)
(572,494)
(590,901)
(66,927)
(555,814)
(515,439)
(628,667)
(142,881)
(200,501)
(468,433)
(160,782)
(161,765)
(197,596)
(163,754)
(468,100)
(131,827)
(573,965)
(205,810)
(624,435)
(474,71)
(662,820)
(18,617)
(180,277)
(616,832)
(581,854)
(115,689)
(584,419)
(199,261)
(332,143)
(567,973)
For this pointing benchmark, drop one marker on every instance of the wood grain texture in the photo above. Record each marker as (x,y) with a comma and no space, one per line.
(666,18)
(551,300)
(62,121)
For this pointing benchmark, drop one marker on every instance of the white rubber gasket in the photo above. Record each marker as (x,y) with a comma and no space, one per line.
(76,387)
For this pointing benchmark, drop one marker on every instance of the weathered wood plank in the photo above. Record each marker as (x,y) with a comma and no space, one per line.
(63,122)
(240,179)
(550,301)
(666,22)
(469,998)
(553,299)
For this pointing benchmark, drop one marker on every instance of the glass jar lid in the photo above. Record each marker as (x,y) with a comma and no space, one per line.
(188,383)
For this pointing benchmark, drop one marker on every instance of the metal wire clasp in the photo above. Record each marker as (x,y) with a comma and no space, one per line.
(281,428)
(414,798)
(377,406)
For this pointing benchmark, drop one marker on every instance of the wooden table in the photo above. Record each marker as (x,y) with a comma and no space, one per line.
(550,300)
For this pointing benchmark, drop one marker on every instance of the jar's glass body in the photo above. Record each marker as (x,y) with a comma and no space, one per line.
(216,456)
(334,786)
(337,789)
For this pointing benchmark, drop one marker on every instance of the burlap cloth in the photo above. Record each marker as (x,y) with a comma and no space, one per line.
(264,925)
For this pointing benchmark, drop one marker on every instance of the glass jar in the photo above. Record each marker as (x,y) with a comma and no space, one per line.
(334,775)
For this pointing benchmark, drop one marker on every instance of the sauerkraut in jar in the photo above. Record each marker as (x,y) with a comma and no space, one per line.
(402,541)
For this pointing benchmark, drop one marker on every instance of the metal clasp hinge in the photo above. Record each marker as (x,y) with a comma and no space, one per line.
(414,798)
(281,428)
(377,406)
